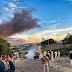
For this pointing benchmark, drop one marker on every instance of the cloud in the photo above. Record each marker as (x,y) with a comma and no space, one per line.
(39,34)
(52,31)
(12,4)
(55,33)
(40,22)
(15,41)
(45,33)
(43,22)
(15,0)
(46,22)
(53,26)
(12,10)
(69,0)
(52,21)
(11,7)
(21,7)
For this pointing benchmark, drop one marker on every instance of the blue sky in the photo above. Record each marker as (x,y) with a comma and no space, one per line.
(55,15)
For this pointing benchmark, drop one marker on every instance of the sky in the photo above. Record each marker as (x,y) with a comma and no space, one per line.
(55,19)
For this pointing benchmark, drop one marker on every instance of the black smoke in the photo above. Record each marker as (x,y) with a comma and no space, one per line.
(22,21)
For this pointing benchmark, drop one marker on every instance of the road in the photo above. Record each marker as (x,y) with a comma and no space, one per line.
(32,66)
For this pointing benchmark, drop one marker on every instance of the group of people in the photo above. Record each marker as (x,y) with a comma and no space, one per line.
(48,58)
(8,63)
(2,66)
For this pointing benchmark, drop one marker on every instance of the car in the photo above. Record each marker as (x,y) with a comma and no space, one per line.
(36,54)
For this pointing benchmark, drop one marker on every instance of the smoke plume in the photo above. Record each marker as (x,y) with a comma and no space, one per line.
(31,53)
(22,21)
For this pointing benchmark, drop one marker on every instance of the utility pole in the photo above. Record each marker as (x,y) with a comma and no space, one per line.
(57,39)
(48,42)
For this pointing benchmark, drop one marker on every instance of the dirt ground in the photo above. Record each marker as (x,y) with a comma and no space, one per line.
(63,64)
(32,66)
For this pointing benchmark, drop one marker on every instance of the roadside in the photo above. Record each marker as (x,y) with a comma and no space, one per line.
(63,64)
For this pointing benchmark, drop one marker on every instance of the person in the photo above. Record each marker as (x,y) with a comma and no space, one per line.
(2,66)
(58,54)
(70,58)
(14,59)
(55,54)
(11,55)
(50,52)
(45,60)
(52,58)
(48,55)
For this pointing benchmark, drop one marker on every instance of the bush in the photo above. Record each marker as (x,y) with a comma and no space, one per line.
(64,53)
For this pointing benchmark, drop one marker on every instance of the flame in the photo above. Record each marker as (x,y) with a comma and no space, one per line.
(40,51)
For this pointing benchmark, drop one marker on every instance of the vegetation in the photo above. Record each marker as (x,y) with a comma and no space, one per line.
(65,47)
(67,39)
(4,47)
(17,49)
(49,41)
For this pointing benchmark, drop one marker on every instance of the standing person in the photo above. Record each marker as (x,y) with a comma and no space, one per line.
(14,59)
(48,55)
(70,58)
(50,52)
(58,54)
(2,66)
(11,56)
(52,58)
(45,60)
(55,54)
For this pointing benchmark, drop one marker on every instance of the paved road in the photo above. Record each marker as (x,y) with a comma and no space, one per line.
(32,66)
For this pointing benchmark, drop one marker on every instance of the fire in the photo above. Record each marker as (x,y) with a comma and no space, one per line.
(40,51)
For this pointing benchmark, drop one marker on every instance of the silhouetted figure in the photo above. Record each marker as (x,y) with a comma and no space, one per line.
(48,55)
(70,58)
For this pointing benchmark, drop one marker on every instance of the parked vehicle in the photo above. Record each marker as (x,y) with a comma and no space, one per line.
(36,54)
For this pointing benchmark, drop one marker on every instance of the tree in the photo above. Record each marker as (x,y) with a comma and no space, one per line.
(4,47)
(67,39)
(51,41)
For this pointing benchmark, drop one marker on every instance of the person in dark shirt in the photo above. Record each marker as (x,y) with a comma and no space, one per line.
(48,55)
(70,58)
(2,66)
